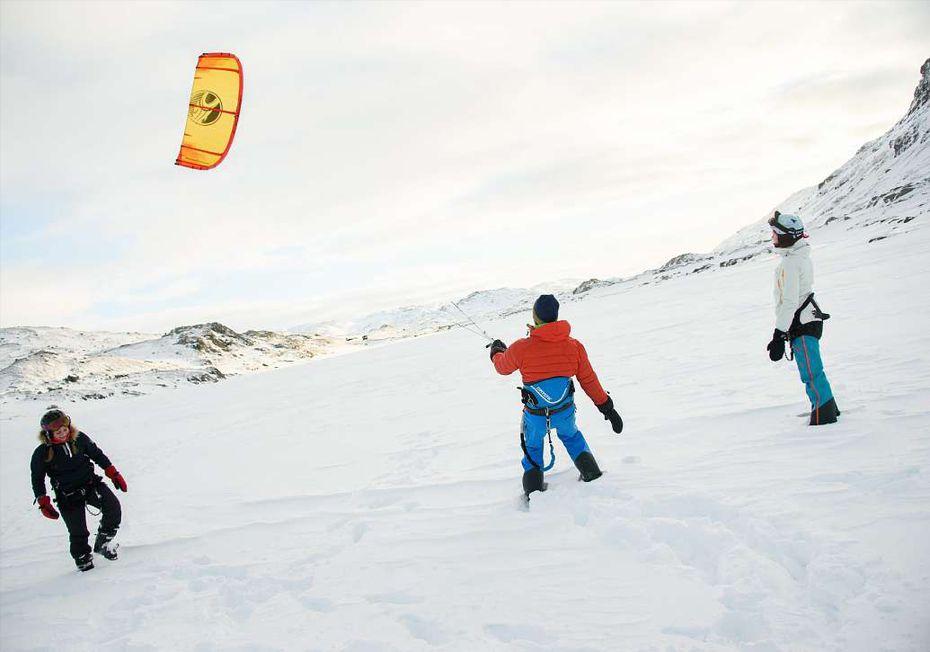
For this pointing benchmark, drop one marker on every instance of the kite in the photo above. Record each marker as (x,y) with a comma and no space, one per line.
(213,111)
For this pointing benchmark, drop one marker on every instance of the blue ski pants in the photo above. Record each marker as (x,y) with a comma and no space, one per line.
(807,356)
(534,431)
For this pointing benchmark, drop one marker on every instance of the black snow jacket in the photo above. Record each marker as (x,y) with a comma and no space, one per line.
(70,467)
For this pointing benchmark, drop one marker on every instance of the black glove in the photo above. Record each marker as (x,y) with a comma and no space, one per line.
(497,347)
(777,346)
(610,414)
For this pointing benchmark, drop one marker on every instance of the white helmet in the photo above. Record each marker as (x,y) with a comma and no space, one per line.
(787,224)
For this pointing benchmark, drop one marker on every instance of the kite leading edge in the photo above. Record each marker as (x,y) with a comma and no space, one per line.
(213,111)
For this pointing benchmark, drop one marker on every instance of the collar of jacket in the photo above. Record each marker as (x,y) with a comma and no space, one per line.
(556,331)
(799,248)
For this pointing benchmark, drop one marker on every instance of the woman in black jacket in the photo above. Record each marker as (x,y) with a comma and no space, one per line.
(66,456)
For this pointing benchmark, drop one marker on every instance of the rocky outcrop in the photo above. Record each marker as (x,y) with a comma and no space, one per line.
(211,337)
(922,92)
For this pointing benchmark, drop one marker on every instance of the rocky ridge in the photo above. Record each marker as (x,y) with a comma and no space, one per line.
(64,364)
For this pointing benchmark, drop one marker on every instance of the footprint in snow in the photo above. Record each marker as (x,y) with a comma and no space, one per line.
(431,632)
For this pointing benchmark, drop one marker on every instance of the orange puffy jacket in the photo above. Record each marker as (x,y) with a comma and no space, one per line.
(549,352)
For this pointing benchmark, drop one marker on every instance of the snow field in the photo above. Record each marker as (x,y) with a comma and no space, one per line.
(367,502)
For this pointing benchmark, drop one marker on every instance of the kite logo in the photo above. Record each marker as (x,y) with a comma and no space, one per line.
(205,108)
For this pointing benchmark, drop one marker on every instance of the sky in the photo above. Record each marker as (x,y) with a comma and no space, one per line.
(397,153)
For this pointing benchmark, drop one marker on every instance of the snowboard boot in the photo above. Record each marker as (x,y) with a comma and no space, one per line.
(104,545)
(587,465)
(826,413)
(84,562)
(533,481)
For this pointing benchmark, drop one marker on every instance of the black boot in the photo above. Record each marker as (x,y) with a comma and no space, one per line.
(588,466)
(84,562)
(533,481)
(104,545)
(826,413)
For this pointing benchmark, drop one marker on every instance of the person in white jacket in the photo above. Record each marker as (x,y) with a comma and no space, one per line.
(798,318)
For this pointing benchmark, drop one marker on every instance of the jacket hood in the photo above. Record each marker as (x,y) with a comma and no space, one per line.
(557,331)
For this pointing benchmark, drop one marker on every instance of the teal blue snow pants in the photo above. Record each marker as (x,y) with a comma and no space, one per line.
(810,366)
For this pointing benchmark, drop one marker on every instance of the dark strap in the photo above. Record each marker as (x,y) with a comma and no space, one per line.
(545,412)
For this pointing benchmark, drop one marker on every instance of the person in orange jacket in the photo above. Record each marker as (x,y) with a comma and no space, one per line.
(547,360)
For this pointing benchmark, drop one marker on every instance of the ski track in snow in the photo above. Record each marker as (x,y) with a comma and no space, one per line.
(367,502)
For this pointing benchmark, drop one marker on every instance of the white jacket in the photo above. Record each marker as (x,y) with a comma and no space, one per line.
(794,282)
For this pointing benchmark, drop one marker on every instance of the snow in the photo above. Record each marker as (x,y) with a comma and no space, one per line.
(366,502)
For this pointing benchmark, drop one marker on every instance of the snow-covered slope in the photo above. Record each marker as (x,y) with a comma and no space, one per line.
(52,364)
(366,502)
(877,194)
(879,191)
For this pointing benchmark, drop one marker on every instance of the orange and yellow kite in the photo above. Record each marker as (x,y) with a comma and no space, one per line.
(213,112)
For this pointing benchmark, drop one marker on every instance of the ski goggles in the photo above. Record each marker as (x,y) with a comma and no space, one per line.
(63,420)
(781,229)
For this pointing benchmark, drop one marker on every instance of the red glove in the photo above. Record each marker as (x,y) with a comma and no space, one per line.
(115,476)
(45,506)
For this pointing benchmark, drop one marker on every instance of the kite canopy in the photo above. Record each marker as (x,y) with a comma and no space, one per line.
(213,112)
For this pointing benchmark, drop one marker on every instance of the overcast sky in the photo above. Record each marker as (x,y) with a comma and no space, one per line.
(392,153)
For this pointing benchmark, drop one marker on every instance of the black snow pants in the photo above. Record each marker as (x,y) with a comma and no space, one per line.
(73,510)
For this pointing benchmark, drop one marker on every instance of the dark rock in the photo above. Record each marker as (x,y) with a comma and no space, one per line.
(922,92)
(892,195)
(211,337)
(736,261)
(679,260)
(586,286)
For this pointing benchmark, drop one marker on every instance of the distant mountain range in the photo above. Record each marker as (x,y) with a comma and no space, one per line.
(879,193)
(62,363)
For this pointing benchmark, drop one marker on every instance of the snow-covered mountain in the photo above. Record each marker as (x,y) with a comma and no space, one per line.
(879,193)
(63,364)
(366,502)
(411,321)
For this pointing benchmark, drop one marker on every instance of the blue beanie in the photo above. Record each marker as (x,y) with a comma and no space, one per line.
(546,309)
